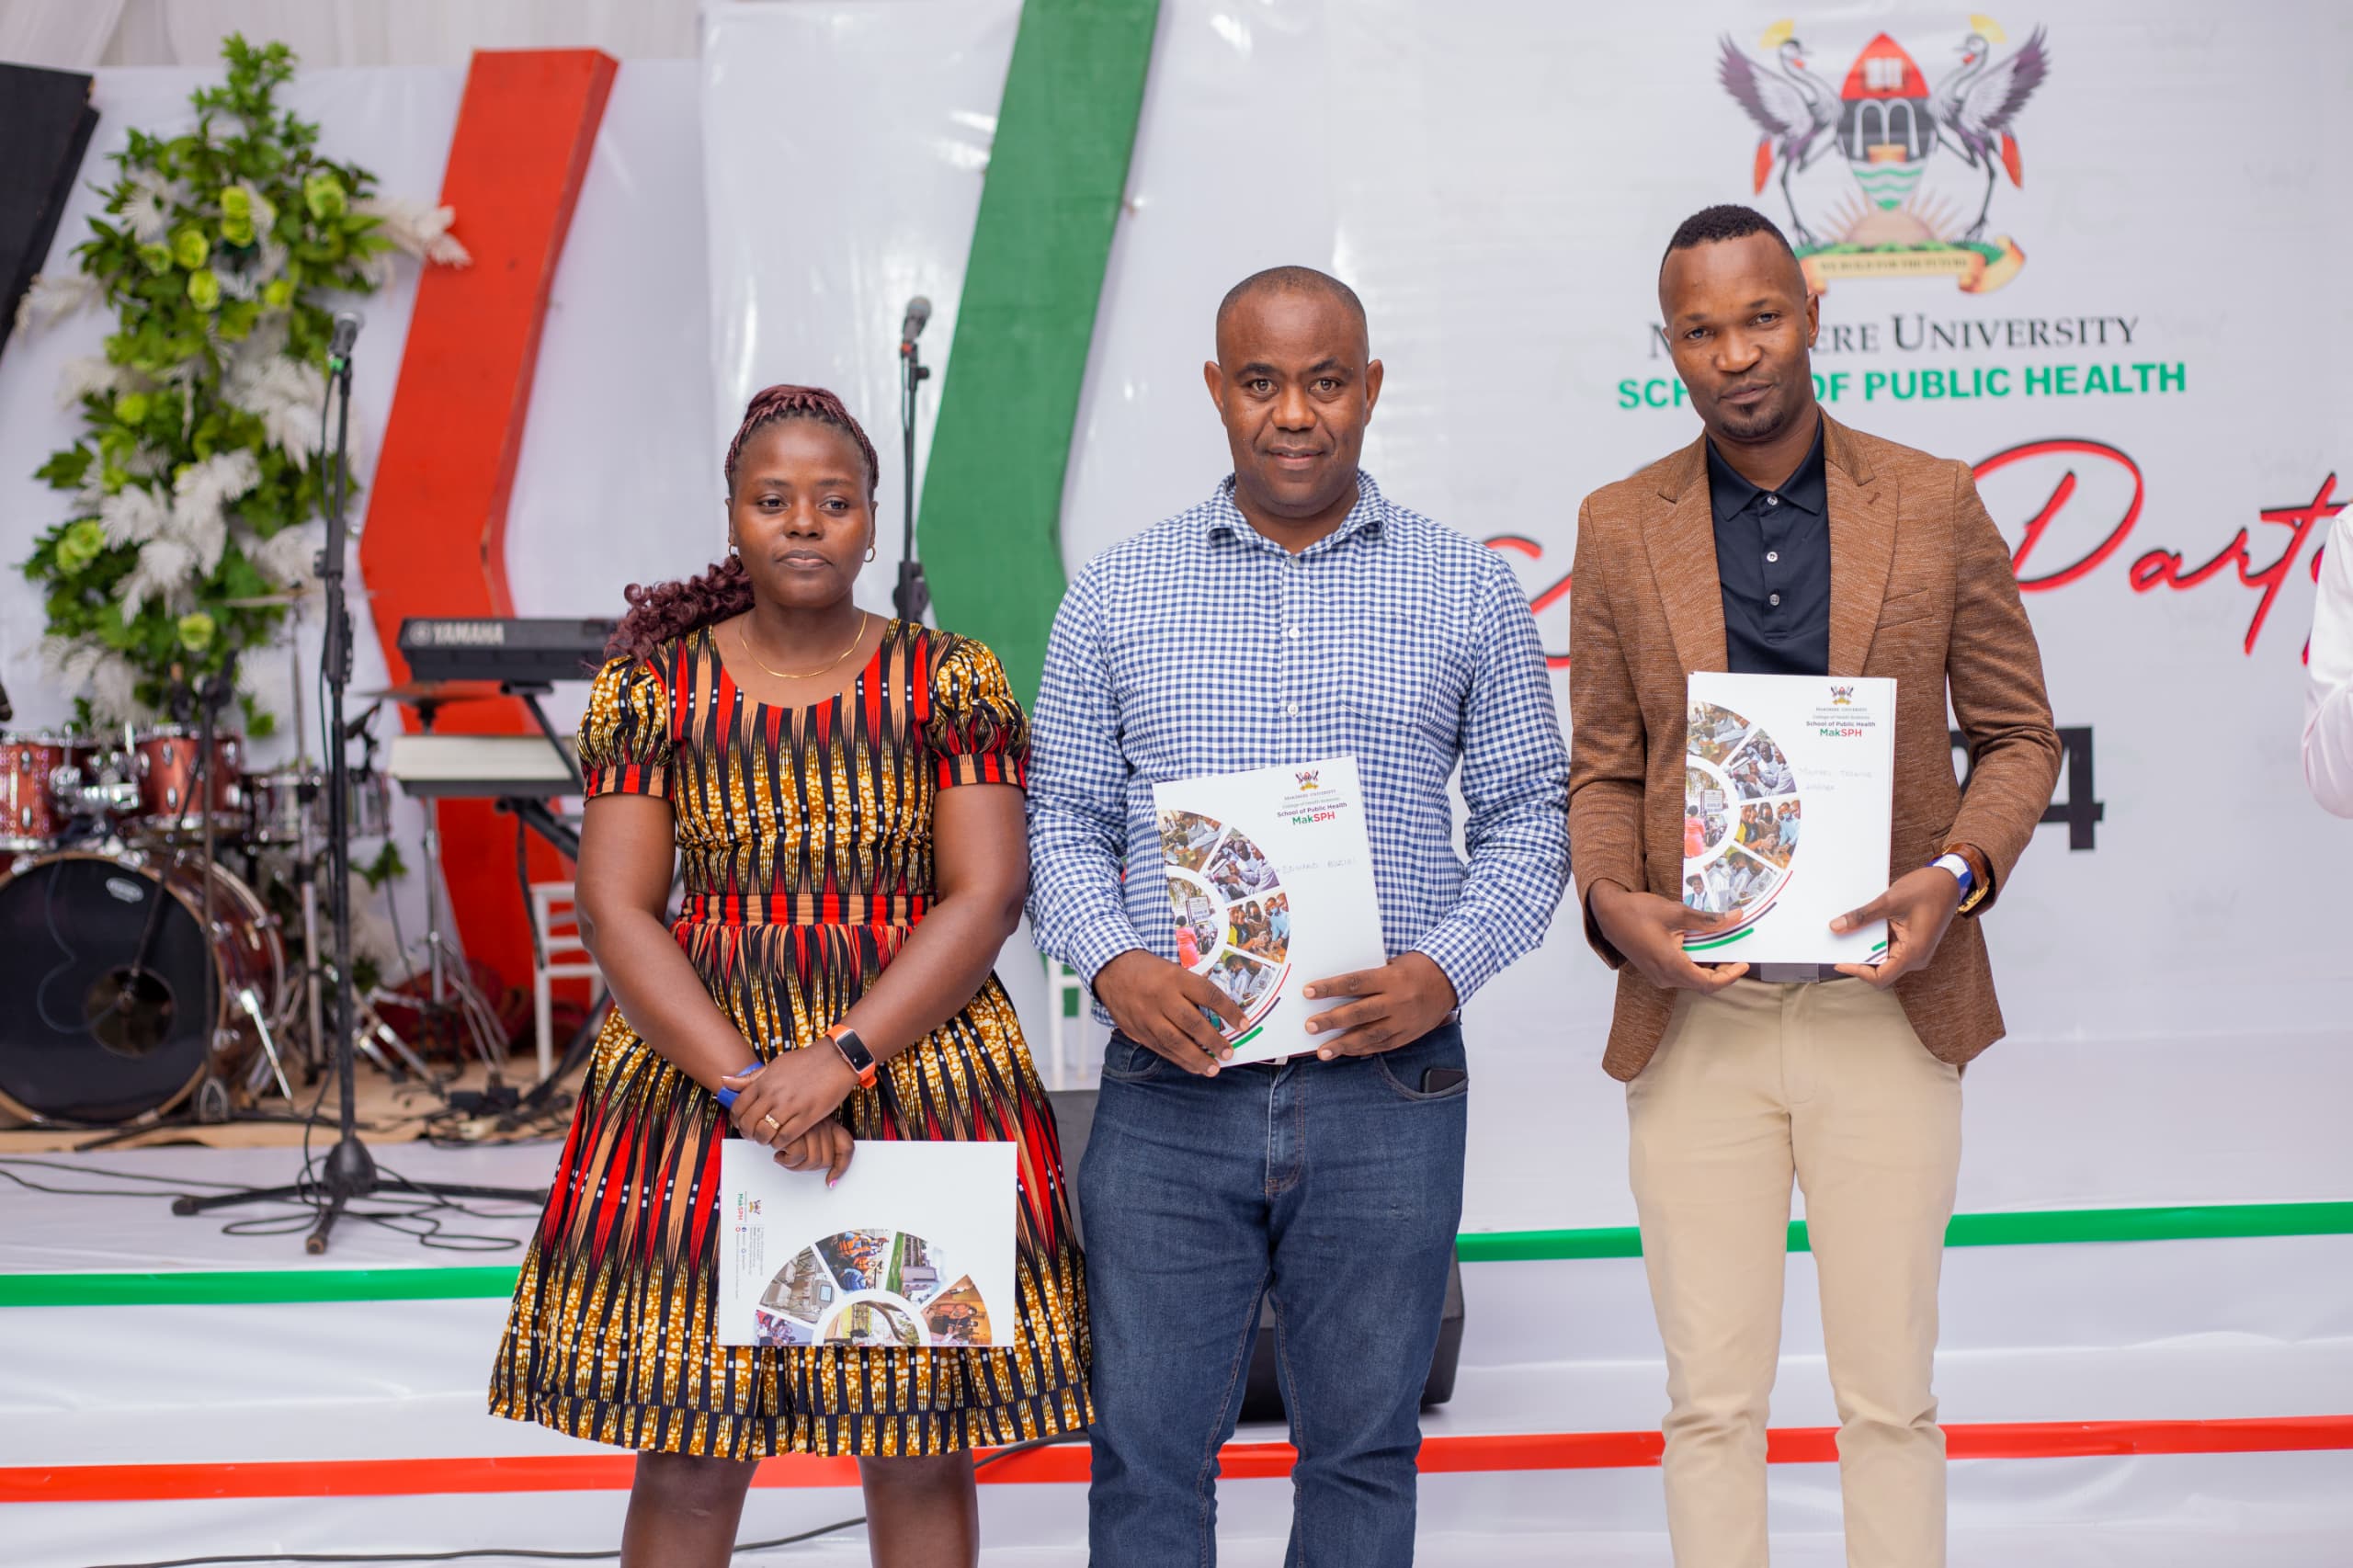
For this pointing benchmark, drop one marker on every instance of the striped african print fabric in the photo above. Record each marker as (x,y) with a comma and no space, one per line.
(806,840)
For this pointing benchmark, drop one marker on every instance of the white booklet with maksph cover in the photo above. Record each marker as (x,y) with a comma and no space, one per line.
(914,1247)
(1788,805)
(1270,886)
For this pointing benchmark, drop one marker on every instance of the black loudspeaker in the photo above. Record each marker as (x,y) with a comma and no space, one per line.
(1262,1392)
(45,120)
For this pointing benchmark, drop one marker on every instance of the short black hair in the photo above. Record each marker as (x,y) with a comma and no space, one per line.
(1728,221)
(1293,279)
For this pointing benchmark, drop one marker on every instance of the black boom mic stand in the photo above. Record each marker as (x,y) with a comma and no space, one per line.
(913,595)
(350,1171)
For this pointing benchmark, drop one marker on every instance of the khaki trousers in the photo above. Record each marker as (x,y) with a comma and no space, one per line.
(1825,1083)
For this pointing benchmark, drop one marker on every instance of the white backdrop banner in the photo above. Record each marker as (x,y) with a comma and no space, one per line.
(2131,350)
(2112,347)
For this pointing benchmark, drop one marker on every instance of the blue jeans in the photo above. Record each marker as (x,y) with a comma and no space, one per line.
(1335,1187)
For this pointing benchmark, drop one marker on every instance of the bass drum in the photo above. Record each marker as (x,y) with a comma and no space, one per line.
(86,1035)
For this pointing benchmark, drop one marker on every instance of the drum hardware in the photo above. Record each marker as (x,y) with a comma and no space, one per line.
(250,1000)
(349,1170)
(34,769)
(380,1037)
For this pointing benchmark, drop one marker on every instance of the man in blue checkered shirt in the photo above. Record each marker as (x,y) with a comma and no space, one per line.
(1296,614)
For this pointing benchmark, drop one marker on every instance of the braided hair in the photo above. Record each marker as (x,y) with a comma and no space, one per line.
(661,612)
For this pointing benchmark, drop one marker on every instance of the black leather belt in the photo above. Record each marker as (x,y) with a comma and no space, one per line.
(1795,973)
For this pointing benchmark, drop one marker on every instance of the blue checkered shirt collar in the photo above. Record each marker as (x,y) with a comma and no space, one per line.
(1220,521)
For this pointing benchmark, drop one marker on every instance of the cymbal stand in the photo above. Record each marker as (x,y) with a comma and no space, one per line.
(476,1020)
(306,878)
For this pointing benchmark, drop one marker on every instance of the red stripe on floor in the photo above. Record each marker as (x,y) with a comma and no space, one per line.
(1067,1463)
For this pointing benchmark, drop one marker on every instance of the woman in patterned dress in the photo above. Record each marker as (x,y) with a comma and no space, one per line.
(846,794)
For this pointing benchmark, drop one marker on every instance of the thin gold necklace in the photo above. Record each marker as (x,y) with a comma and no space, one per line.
(744,637)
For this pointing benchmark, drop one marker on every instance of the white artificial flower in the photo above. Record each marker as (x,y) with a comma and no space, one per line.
(164,566)
(419,228)
(112,684)
(87,373)
(287,556)
(53,295)
(148,208)
(95,672)
(56,652)
(201,502)
(270,262)
(284,394)
(135,514)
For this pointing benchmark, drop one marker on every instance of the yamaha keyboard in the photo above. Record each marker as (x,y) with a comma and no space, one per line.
(525,658)
(432,766)
(521,772)
(515,652)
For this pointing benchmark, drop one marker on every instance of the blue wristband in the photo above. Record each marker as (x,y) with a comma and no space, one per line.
(1959,867)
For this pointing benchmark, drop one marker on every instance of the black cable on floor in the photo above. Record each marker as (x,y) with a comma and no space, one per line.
(539,1555)
(419,1216)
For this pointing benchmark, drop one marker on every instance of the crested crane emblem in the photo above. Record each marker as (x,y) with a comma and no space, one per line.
(1887,122)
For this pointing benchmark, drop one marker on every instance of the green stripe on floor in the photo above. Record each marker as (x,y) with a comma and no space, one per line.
(248,1286)
(263,1286)
(2037,1228)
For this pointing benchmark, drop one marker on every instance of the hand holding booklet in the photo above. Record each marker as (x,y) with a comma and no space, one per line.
(1270,887)
(1789,805)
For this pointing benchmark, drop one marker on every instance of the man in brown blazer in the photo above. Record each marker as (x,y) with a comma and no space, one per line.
(1783,543)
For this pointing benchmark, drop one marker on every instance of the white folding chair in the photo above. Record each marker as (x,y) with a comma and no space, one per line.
(557,953)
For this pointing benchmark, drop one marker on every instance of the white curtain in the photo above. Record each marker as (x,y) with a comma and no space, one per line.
(66,35)
(79,34)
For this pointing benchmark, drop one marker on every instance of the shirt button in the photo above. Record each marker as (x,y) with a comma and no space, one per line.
(1772,555)
(1772,500)
(1291,710)
(1291,631)
(1774,599)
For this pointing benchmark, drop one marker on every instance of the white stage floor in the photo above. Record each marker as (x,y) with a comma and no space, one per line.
(192,1392)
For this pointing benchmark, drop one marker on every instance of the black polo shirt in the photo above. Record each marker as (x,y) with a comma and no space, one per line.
(1773,561)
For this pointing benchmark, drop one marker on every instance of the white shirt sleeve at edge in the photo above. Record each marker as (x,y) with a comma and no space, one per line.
(2328,697)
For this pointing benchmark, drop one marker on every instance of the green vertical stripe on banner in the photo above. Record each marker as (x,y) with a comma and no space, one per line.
(990,527)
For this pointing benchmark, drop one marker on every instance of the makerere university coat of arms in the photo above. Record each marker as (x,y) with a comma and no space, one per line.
(1886,122)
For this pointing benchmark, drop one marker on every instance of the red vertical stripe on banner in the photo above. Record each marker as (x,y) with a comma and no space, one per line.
(435,540)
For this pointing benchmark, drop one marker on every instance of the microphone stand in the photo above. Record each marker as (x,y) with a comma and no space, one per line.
(913,595)
(350,1171)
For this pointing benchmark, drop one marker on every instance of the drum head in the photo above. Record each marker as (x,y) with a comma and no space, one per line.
(86,1034)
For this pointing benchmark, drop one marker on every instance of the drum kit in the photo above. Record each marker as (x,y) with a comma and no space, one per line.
(145,977)
(143,971)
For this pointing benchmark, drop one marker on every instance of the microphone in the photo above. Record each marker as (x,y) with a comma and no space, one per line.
(347,333)
(911,326)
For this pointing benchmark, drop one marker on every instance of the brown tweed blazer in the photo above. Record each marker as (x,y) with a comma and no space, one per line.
(1921,590)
